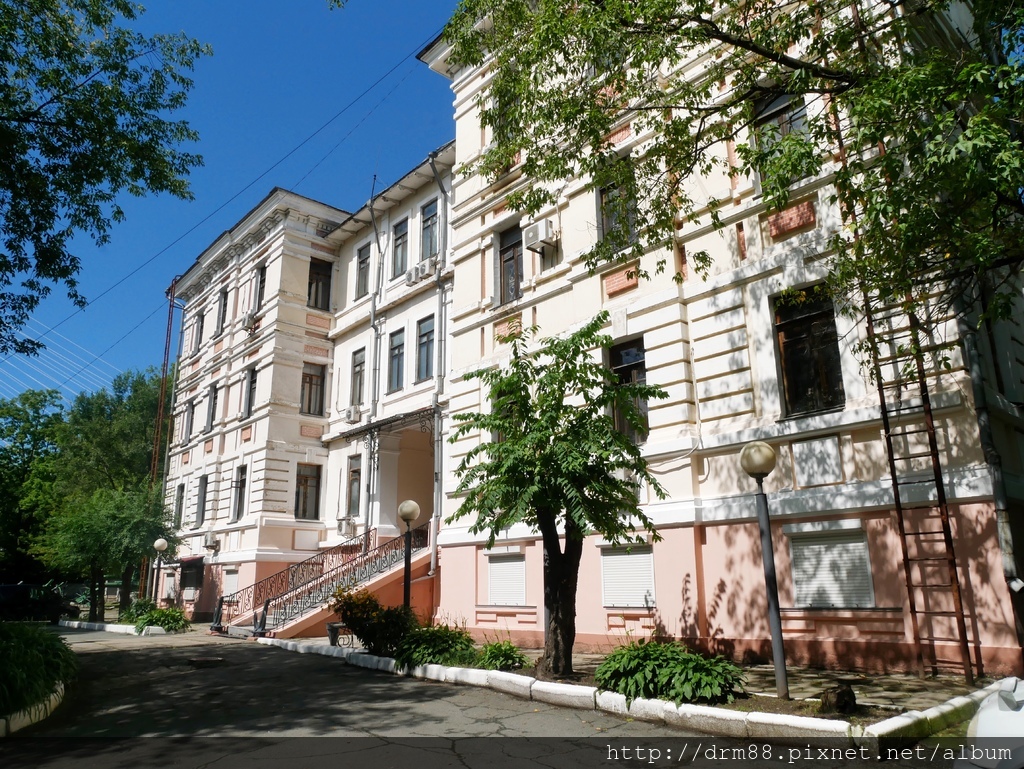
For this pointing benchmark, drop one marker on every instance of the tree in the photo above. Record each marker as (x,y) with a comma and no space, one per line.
(83,117)
(912,114)
(557,462)
(107,531)
(28,427)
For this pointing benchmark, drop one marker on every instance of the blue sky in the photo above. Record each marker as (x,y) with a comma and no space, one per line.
(279,72)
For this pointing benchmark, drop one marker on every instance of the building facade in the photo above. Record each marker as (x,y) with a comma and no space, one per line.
(863,580)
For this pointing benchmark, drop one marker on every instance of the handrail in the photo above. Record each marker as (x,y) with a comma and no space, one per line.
(315,593)
(242,602)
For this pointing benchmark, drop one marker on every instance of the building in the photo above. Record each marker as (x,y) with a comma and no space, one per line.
(863,579)
(306,402)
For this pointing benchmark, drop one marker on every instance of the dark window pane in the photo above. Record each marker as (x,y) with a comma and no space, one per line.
(319,284)
(805,331)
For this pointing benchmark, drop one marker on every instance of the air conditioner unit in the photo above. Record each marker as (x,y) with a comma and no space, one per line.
(210,541)
(347,527)
(423,270)
(538,235)
(249,321)
(353,414)
(412,276)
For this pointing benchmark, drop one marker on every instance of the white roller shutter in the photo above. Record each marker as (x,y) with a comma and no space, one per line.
(832,569)
(506,580)
(627,577)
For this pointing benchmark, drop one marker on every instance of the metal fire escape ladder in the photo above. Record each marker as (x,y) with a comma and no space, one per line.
(926,539)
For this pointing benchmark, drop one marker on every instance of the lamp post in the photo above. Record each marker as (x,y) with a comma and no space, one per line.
(408,511)
(160,546)
(758,460)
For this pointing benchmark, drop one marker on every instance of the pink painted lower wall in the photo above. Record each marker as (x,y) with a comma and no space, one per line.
(709,591)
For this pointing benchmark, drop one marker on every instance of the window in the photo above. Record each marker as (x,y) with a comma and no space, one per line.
(189,421)
(431,231)
(627,361)
(400,249)
(358,376)
(250,392)
(618,216)
(510,265)
(808,347)
(363,271)
(222,312)
(238,510)
(506,579)
(627,576)
(354,482)
(197,332)
(831,569)
(307,492)
(425,349)
(396,361)
(179,504)
(775,118)
(261,287)
(311,399)
(204,481)
(319,296)
(211,406)
(192,574)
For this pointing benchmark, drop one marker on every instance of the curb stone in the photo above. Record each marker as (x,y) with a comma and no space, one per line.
(905,727)
(110,627)
(33,714)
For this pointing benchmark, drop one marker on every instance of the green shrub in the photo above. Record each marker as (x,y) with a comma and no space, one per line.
(501,655)
(34,661)
(437,645)
(139,607)
(170,620)
(669,671)
(379,629)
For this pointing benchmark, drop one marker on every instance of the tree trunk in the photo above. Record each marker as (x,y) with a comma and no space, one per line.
(95,594)
(561,579)
(125,593)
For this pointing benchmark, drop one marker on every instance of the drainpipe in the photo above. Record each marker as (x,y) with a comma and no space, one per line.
(374,445)
(442,339)
(995,467)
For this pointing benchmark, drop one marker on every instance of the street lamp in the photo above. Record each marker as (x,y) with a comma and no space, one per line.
(408,511)
(160,546)
(758,460)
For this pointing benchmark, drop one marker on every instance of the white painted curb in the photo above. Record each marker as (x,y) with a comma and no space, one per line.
(32,715)
(110,627)
(806,730)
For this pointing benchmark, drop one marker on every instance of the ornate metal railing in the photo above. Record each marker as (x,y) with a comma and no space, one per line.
(314,594)
(242,603)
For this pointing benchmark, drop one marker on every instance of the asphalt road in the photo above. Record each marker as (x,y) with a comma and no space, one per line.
(197,702)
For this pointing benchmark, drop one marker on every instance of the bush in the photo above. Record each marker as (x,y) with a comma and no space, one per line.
(501,655)
(437,645)
(34,662)
(170,620)
(139,607)
(379,629)
(656,670)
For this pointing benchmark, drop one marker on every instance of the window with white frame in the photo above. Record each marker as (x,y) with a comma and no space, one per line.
(509,267)
(261,287)
(239,490)
(250,392)
(431,232)
(355,474)
(425,349)
(396,360)
(204,482)
(211,407)
(400,249)
(222,312)
(197,332)
(307,492)
(363,271)
(358,375)
(831,567)
(506,579)
(311,395)
(808,347)
(627,576)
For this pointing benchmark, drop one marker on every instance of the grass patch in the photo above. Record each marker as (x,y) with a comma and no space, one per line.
(34,662)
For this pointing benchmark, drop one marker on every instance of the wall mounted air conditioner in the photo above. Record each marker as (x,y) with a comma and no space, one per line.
(353,414)
(347,527)
(210,541)
(412,276)
(249,321)
(423,270)
(538,235)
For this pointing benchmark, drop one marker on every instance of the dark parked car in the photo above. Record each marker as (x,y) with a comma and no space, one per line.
(34,602)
